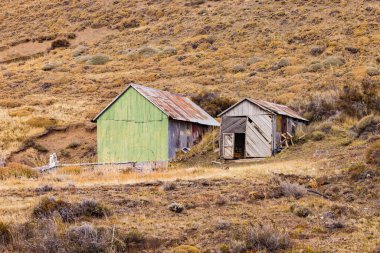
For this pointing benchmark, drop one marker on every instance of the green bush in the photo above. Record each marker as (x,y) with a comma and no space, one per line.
(333,61)
(98,59)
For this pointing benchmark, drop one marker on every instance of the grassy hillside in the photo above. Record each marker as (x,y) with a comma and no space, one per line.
(62,61)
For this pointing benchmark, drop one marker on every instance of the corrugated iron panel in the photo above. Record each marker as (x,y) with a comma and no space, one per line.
(133,130)
(279,109)
(176,106)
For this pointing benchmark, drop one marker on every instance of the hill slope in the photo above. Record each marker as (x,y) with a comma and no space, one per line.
(275,50)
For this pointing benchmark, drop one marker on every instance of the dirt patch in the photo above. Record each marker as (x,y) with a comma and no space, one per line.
(22,50)
(72,144)
(91,36)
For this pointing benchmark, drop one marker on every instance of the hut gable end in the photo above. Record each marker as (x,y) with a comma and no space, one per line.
(132,106)
(245,108)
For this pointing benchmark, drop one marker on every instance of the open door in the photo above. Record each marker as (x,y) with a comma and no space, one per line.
(228,145)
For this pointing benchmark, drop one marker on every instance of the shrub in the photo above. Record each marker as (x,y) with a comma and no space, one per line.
(133,237)
(373,154)
(315,51)
(40,148)
(15,170)
(169,186)
(50,66)
(176,208)
(292,189)
(367,124)
(91,208)
(315,67)
(333,61)
(98,59)
(74,144)
(79,51)
(69,212)
(5,234)
(317,135)
(322,105)
(60,43)
(300,211)
(267,237)
(238,68)
(87,239)
(186,249)
(48,206)
(169,51)
(372,71)
(212,103)
(41,122)
(147,51)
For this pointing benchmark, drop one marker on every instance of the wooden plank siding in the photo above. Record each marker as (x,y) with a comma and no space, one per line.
(245,108)
(132,130)
(183,134)
(259,136)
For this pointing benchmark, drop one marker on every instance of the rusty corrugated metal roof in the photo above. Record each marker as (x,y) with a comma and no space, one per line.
(279,109)
(272,107)
(173,105)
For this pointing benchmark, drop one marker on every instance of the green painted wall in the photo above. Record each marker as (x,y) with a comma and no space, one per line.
(132,130)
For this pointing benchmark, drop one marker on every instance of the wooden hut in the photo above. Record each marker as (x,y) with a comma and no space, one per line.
(255,128)
(146,125)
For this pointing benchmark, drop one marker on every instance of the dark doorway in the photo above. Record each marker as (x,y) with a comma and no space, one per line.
(239,148)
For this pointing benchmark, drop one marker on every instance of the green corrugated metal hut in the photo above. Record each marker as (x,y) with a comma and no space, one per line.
(148,125)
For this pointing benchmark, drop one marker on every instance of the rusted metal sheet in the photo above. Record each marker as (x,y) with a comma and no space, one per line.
(173,105)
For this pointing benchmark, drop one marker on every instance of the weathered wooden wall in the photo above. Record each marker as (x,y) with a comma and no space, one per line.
(183,135)
(259,136)
(132,130)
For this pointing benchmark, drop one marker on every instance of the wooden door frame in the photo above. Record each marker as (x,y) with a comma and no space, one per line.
(233,144)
